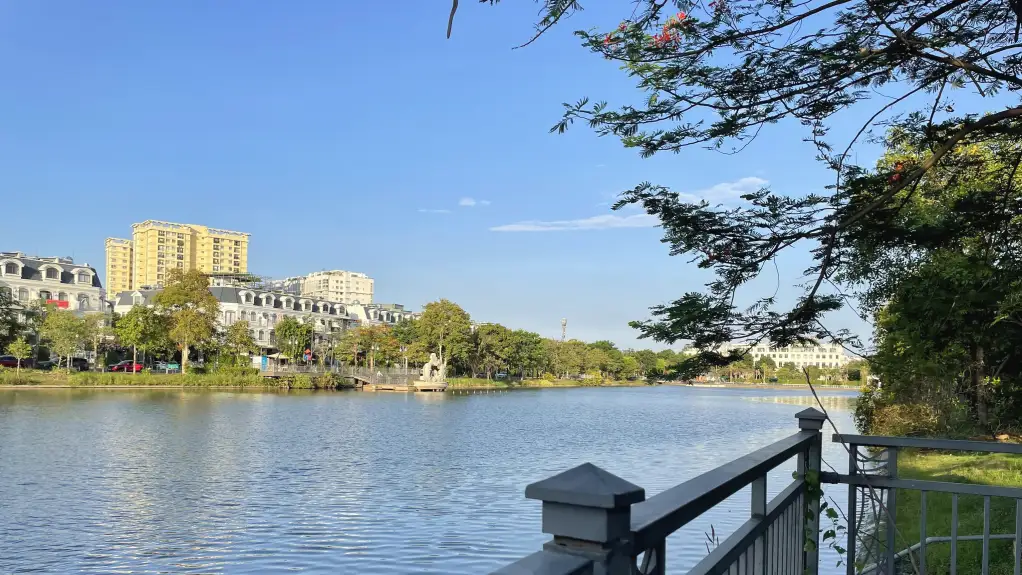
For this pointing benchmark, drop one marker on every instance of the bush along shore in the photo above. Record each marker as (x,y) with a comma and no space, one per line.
(230,378)
(482,383)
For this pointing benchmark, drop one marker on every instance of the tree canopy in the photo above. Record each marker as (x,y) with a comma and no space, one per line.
(191,309)
(716,75)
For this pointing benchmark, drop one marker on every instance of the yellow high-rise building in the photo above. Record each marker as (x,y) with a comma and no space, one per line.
(119,256)
(157,247)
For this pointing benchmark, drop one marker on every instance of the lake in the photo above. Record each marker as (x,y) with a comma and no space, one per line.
(169,481)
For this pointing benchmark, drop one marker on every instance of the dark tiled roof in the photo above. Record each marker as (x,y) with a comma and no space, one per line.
(31,268)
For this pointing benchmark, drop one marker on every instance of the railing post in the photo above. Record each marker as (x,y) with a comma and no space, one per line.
(588,511)
(812,420)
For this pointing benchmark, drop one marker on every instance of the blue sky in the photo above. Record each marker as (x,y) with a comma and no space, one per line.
(356,136)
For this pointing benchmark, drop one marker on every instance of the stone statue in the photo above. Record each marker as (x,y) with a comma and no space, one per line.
(433,370)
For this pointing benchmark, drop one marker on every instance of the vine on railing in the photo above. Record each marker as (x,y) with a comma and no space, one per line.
(831,535)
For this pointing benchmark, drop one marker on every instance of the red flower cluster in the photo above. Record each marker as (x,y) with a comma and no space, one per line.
(670,32)
(896,176)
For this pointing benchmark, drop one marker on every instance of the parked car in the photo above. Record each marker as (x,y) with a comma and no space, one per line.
(45,365)
(167,366)
(127,366)
(77,363)
(11,361)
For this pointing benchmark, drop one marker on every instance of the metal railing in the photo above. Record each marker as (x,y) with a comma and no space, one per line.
(604,525)
(370,376)
(887,552)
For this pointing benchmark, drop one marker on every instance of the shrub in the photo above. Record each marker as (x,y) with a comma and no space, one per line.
(241,370)
(549,376)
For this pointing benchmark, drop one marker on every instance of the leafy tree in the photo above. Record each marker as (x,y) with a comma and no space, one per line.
(143,328)
(647,361)
(191,309)
(719,74)
(65,333)
(292,337)
(10,326)
(630,367)
(20,349)
(445,329)
(238,340)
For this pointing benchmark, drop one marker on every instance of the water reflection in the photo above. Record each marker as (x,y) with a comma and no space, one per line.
(180,481)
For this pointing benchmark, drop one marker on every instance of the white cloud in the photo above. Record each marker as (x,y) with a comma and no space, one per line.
(472,202)
(718,193)
(727,190)
(433,211)
(593,223)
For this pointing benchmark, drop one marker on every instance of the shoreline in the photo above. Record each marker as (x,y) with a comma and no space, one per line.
(270,387)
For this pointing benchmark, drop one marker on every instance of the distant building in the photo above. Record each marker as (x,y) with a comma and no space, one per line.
(119,256)
(339,285)
(58,281)
(156,247)
(820,355)
(382,313)
(262,310)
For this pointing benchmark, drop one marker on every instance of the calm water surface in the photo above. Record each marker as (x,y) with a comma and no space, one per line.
(166,481)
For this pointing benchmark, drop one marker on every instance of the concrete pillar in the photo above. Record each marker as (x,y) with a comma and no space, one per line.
(588,512)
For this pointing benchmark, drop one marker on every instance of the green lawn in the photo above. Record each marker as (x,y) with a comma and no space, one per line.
(992,469)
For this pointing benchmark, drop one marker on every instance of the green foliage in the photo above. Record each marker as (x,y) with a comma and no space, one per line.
(145,329)
(191,309)
(292,337)
(237,342)
(65,333)
(445,329)
(10,327)
(20,349)
(718,75)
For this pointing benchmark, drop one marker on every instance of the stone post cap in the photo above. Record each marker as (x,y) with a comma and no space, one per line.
(587,486)
(811,419)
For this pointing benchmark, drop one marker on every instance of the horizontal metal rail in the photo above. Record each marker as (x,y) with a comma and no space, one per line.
(659,516)
(739,542)
(922,443)
(548,562)
(881,482)
(872,567)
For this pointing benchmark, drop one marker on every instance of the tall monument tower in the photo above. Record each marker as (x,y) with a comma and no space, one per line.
(564,328)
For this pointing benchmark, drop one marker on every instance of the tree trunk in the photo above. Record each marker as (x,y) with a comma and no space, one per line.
(184,357)
(134,359)
(979,385)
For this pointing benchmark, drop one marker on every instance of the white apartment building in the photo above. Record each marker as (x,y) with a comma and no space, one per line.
(262,310)
(819,355)
(57,281)
(339,285)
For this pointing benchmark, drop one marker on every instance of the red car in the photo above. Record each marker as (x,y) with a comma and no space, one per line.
(127,366)
(12,362)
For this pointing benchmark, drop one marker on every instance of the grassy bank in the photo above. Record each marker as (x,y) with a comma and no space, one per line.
(236,378)
(988,468)
(481,383)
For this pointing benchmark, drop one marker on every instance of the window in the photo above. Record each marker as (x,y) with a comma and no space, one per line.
(159,276)
(22,294)
(237,243)
(216,268)
(84,278)
(180,257)
(10,269)
(180,250)
(180,242)
(216,261)
(83,302)
(136,299)
(180,264)
(161,241)
(160,248)
(52,274)
(161,233)
(216,240)
(248,298)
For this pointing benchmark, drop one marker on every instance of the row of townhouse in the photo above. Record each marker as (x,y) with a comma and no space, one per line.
(264,309)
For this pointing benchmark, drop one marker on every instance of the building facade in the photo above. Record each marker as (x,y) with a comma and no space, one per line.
(157,247)
(57,281)
(339,285)
(119,255)
(263,309)
(819,355)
